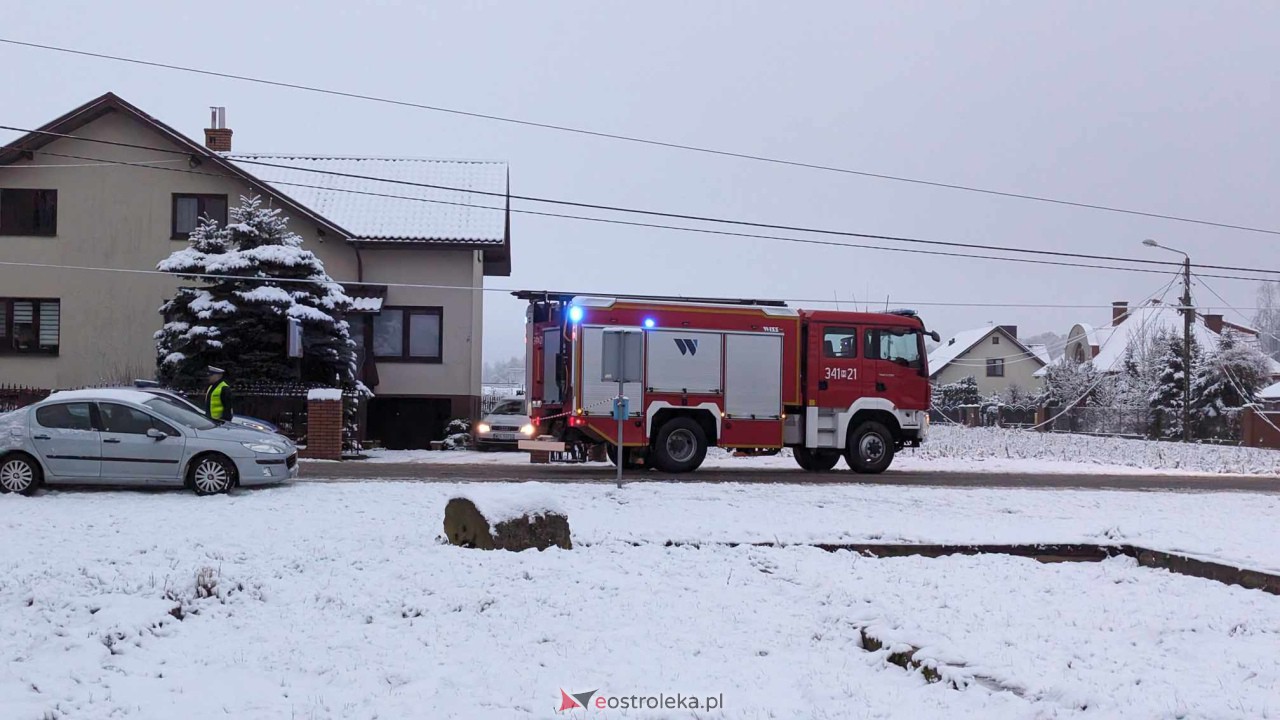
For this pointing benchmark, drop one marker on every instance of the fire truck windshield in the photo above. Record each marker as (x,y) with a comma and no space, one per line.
(899,346)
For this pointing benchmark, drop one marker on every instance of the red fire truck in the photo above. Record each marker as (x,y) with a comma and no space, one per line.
(752,375)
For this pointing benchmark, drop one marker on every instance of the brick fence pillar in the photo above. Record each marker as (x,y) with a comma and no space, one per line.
(324,425)
(1249,428)
(1042,419)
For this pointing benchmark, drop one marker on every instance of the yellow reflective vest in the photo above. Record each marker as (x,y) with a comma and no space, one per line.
(213,400)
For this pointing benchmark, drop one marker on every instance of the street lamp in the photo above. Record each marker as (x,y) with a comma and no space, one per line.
(1188,317)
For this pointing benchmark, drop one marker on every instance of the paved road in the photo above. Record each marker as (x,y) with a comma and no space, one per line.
(356,470)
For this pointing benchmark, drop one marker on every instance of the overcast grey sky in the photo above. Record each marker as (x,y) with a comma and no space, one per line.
(1165,107)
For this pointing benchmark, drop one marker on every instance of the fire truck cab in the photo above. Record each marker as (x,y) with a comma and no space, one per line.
(756,376)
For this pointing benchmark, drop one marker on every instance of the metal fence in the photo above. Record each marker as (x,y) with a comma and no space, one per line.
(987,415)
(1226,427)
(13,397)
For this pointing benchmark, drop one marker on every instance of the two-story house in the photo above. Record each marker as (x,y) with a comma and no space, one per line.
(107,190)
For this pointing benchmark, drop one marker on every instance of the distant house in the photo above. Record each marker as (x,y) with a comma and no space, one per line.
(1132,330)
(992,355)
(88,191)
(1270,397)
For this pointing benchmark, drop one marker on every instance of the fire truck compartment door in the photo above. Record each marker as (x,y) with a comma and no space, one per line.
(753,376)
(597,395)
(681,361)
(550,362)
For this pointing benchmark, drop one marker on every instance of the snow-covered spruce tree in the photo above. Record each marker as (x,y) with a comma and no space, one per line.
(261,277)
(1168,389)
(1229,377)
(1068,384)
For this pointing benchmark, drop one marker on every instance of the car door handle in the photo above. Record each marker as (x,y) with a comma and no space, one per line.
(879,387)
(822,384)
(113,441)
(40,437)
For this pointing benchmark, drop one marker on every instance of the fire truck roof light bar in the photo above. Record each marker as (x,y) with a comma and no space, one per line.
(549,295)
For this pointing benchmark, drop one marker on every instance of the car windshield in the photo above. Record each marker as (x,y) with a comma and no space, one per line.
(175,399)
(509,407)
(171,410)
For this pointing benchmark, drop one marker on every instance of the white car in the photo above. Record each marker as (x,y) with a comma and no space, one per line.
(506,426)
(131,437)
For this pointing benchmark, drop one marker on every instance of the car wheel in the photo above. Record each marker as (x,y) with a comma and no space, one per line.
(211,474)
(871,448)
(19,474)
(816,460)
(681,446)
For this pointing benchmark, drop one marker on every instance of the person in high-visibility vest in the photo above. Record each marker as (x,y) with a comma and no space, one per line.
(219,400)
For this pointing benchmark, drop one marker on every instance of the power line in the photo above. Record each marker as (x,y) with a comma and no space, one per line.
(706,231)
(630,223)
(642,140)
(471,288)
(251,160)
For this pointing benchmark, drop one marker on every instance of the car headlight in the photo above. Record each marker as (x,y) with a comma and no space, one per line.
(263,448)
(483,428)
(527,430)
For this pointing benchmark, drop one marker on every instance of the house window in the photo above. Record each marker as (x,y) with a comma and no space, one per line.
(995,367)
(28,212)
(29,327)
(995,339)
(409,334)
(188,209)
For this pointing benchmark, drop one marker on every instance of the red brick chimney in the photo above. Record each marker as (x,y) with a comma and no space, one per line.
(1213,322)
(1119,309)
(217,137)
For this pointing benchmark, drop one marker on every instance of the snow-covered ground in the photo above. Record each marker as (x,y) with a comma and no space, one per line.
(994,450)
(335,600)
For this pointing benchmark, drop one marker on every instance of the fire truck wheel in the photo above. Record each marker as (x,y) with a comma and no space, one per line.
(870,448)
(681,446)
(816,460)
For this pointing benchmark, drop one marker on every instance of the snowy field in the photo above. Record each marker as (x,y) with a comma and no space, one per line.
(995,450)
(336,601)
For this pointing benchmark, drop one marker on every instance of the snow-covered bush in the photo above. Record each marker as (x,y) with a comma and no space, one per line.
(457,434)
(961,392)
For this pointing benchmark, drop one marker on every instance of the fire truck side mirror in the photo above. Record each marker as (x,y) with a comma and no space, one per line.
(936,337)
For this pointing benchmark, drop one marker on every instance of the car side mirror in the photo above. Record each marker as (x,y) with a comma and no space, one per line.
(156,434)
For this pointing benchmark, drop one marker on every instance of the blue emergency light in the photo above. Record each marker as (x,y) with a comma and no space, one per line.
(649,323)
(575,314)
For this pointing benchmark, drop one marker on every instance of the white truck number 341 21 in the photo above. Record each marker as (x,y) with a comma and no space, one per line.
(835,373)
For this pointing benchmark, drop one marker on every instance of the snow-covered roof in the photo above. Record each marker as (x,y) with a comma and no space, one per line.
(1042,352)
(1138,327)
(1272,392)
(961,342)
(466,205)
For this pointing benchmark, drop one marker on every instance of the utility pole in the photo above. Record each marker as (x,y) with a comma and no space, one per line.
(1188,318)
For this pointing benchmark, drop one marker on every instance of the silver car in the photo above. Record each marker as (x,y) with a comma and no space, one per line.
(130,437)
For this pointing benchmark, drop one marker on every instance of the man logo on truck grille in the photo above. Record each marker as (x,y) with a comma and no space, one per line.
(687,346)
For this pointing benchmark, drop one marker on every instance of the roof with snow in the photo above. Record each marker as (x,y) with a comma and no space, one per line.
(962,342)
(1143,323)
(1271,392)
(346,196)
(1042,352)
(435,201)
